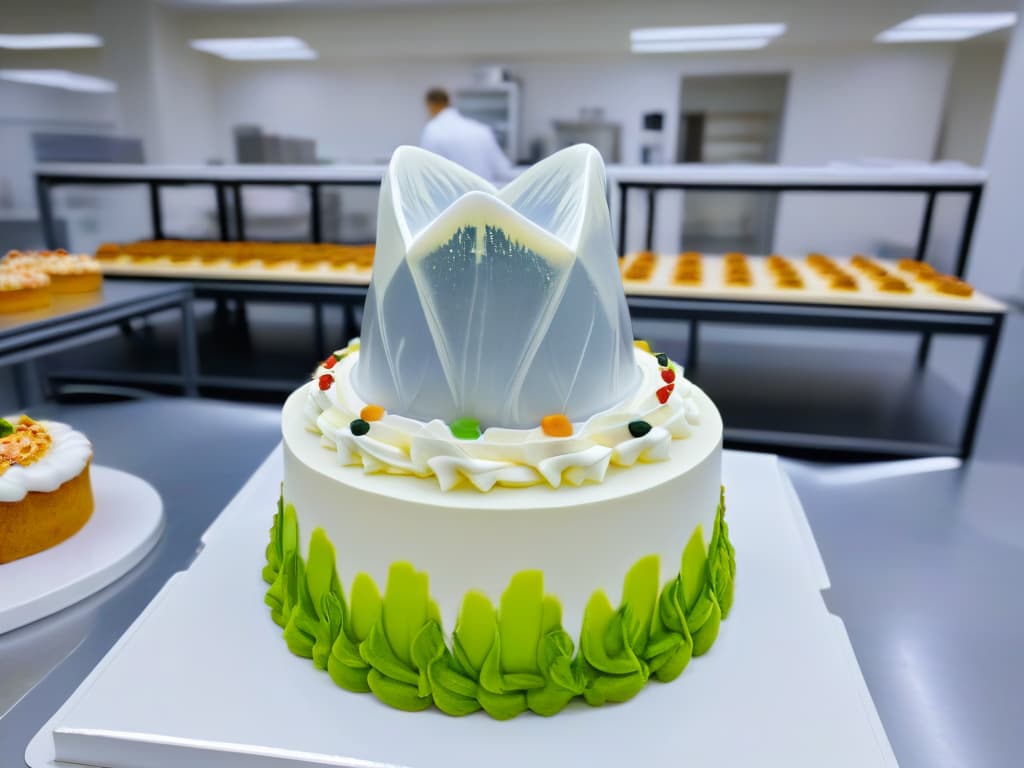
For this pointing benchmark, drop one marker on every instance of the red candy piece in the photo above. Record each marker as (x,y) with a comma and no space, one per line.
(330,362)
(668,375)
(327,380)
(664,392)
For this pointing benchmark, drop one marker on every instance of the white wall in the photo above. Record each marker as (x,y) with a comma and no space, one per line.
(970,100)
(997,259)
(25,109)
(877,102)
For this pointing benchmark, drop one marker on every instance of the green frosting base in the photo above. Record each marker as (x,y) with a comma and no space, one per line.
(503,660)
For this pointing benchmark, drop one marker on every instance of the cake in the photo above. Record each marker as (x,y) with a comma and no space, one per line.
(45,491)
(494,499)
(22,288)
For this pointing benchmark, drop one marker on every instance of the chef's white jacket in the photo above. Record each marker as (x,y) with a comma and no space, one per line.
(467,142)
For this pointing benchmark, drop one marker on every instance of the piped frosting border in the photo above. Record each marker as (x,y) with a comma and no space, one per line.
(396,444)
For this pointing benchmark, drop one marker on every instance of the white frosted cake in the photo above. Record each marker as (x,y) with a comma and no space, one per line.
(496,499)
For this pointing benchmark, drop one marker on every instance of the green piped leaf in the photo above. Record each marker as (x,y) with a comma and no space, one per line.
(395,694)
(640,593)
(476,631)
(519,622)
(671,646)
(722,560)
(275,556)
(601,641)
(366,607)
(406,608)
(379,654)
(346,666)
(303,623)
(320,575)
(332,618)
(693,569)
(551,615)
(563,680)
(453,692)
(289,532)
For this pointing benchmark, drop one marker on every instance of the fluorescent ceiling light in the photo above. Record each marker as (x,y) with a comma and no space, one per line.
(720,32)
(255,48)
(721,37)
(686,46)
(50,41)
(937,27)
(59,78)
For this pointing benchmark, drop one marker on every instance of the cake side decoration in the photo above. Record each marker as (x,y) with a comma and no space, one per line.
(503,660)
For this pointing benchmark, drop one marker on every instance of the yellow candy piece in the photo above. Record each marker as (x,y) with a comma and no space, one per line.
(556,425)
(372,413)
(641,344)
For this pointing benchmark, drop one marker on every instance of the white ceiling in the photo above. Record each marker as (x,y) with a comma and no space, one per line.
(811,22)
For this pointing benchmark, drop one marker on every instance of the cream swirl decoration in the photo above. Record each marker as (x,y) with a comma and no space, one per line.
(507,457)
(65,459)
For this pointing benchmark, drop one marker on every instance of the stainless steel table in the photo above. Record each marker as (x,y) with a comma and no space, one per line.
(924,558)
(25,336)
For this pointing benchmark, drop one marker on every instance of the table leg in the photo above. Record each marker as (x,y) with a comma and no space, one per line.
(189,349)
(319,344)
(691,349)
(923,347)
(980,386)
(28,389)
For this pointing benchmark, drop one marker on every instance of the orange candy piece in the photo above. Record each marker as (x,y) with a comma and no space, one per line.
(372,413)
(556,425)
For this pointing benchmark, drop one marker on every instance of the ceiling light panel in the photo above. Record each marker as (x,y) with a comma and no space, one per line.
(945,27)
(255,48)
(59,78)
(716,32)
(718,37)
(50,41)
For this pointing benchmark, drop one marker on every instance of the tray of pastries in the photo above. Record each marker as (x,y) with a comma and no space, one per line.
(245,260)
(30,279)
(814,278)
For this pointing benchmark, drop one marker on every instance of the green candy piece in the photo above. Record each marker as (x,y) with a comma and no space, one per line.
(639,428)
(465,429)
(662,359)
(6,428)
(359,427)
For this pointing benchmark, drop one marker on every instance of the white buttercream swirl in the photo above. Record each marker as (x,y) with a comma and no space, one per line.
(63,461)
(507,457)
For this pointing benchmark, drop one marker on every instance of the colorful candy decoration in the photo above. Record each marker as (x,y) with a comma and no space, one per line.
(372,413)
(6,428)
(641,344)
(326,381)
(668,375)
(556,425)
(330,362)
(465,429)
(662,359)
(359,427)
(664,392)
(639,428)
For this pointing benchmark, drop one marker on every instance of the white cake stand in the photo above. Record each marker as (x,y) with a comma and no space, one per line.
(124,526)
(203,676)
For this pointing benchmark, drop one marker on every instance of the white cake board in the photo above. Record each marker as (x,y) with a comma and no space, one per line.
(203,676)
(126,523)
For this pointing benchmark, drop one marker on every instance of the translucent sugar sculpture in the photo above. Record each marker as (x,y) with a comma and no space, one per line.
(500,306)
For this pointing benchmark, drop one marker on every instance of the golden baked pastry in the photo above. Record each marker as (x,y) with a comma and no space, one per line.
(45,489)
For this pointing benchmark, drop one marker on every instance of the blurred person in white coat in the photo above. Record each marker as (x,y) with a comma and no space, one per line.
(463,140)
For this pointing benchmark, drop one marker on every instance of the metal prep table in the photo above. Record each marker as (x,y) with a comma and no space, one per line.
(924,558)
(73,318)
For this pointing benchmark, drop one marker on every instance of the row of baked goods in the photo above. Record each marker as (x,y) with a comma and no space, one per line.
(858,273)
(28,279)
(238,254)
